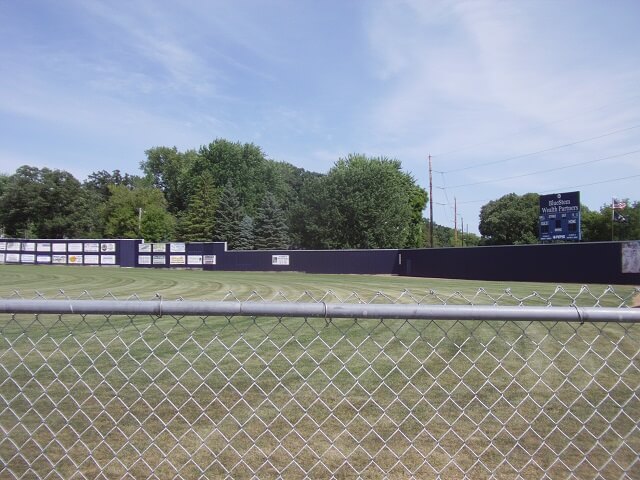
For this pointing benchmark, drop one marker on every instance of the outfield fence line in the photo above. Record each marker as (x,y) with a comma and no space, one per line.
(474,386)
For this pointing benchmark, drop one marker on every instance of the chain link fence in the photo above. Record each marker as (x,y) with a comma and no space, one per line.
(182,395)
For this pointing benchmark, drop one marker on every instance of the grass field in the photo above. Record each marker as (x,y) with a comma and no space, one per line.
(197,284)
(238,397)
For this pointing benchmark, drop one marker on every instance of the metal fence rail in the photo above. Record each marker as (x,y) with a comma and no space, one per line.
(317,390)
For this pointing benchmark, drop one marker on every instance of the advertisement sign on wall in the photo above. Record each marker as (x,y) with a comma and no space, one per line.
(91,247)
(159,247)
(43,247)
(144,259)
(279,259)
(209,260)
(194,259)
(75,259)
(159,260)
(91,259)
(108,259)
(144,248)
(59,259)
(13,246)
(631,257)
(177,260)
(107,247)
(28,258)
(177,248)
(74,247)
(43,258)
(2,257)
(28,247)
(59,247)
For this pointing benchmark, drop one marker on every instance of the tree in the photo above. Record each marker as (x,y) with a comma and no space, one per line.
(46,203)
(197,223)
(99,182)
(246,237)
(362,203)
(228,217)
(242,165)
(510,220)
(138,213)
(270,230)
(172,172)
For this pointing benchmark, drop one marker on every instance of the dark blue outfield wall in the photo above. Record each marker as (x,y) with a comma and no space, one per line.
(571,262)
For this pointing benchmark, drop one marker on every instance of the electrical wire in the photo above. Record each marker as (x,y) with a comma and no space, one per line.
(611,180)
(538,127)
(557,147)
(495,180)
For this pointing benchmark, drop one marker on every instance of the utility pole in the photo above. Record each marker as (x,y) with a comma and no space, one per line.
(462,231)
(139,220)
(430,205)
(455,222)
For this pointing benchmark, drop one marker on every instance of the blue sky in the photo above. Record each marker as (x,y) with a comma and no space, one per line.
(508,96)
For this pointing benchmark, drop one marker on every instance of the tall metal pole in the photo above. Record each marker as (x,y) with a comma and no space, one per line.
(455,222)
(430,205)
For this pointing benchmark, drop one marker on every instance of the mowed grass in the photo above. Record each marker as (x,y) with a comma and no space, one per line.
(238,397)
(98,282)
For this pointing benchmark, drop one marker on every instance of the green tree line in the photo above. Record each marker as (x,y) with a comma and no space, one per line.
(224,191)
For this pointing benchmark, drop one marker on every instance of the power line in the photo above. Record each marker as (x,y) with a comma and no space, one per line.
(557,147)
(494,180)
(611,180)
(538,127)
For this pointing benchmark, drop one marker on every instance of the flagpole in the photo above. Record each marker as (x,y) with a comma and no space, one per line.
(613,203)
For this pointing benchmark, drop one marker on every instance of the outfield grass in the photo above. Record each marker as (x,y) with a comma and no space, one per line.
(235,396)
(212,285)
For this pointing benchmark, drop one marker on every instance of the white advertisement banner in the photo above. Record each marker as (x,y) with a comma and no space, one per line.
(43,247)
(75,247)
(59,259)
(91,247)
(177,248)
(3,246)
(75,259)
(108,259)
(28,247)
(13,245)
(58,247)
(279,259)
(209,260)
(107,247)
(144,259)
(177,260)
(2,257)
(43,258)
(28,258)
(194,259)
(159,260)
(631,257)
(12,257)
(144,248)
(91,259)
(159,247)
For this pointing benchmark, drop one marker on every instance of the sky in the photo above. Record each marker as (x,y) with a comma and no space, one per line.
(506,96)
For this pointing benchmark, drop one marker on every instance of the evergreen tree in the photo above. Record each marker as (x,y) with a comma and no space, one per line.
(246,238)
(228,217)
(197,223)
(271,231)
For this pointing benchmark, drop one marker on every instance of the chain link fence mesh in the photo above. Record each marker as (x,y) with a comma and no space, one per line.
(258,397)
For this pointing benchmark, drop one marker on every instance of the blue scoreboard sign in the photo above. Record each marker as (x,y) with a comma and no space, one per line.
(560,216)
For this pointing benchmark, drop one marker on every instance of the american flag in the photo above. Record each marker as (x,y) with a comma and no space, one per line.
(618,204)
